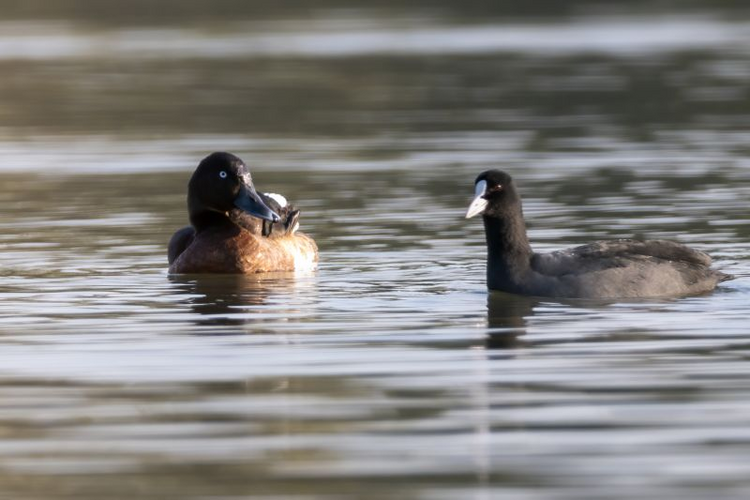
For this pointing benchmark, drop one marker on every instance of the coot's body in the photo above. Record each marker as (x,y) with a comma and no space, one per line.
(605,269)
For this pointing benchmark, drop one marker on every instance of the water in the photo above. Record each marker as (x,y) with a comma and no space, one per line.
(390,372)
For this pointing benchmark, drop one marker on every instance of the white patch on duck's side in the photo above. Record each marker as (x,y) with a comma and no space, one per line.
(304,259)
(304,262)
(296,226)
(277,198)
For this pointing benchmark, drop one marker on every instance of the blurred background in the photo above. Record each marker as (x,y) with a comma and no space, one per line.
(389,373)
(153,85)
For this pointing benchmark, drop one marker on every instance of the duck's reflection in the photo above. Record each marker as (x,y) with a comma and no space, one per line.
(238,300)
(506,316)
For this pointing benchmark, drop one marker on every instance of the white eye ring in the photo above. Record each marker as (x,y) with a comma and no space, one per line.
(223,174)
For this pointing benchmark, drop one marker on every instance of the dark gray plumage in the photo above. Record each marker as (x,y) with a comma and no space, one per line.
(604,269)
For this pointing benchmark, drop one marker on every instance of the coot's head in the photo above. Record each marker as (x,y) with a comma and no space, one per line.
(222,184)
(494,194)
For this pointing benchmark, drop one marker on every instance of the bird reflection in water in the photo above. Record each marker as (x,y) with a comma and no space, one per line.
(506,317)
(236,300)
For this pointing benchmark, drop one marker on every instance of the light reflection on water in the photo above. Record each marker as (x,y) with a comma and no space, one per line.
(391,360)
(629,36)
(390,372)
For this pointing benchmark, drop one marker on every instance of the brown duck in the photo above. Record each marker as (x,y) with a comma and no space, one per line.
(234,229)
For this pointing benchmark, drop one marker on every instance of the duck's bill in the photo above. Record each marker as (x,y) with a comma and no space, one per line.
(249,201)
(478,204)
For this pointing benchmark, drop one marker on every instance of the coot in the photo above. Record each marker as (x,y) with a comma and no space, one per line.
(604,269)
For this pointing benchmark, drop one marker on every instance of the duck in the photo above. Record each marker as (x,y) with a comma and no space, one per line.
(616,269)
(234,229)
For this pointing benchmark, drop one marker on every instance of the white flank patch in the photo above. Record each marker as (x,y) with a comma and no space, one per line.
(304,261)
(277,198)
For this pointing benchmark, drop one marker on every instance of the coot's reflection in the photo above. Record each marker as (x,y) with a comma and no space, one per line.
(239,300)
(507,313)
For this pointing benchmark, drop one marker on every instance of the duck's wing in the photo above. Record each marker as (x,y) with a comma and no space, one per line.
(616,253)
(289,215)
(179,242)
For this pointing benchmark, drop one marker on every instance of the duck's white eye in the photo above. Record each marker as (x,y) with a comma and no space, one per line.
(223,174)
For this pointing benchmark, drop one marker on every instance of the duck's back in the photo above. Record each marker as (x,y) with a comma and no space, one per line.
(179,241)
(623,269)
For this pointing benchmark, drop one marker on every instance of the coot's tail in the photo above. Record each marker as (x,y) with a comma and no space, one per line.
(725,276)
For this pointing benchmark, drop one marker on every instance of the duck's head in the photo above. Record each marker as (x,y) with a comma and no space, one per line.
(494,194)
(222,184)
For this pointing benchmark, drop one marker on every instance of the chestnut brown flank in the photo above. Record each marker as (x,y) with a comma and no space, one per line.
(243,252)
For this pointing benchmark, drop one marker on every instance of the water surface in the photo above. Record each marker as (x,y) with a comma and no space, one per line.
(390,372)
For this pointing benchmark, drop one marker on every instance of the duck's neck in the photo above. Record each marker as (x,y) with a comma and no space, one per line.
(508,250)
(202,220)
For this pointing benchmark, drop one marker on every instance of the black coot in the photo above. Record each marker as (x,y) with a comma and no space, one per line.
(604,269)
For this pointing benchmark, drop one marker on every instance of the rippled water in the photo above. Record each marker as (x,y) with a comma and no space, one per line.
(390,372)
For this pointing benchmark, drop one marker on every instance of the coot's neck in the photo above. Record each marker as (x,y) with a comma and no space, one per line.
(508,250)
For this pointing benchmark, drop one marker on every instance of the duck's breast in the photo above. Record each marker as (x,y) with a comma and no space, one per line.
(214,252)
(241,252)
